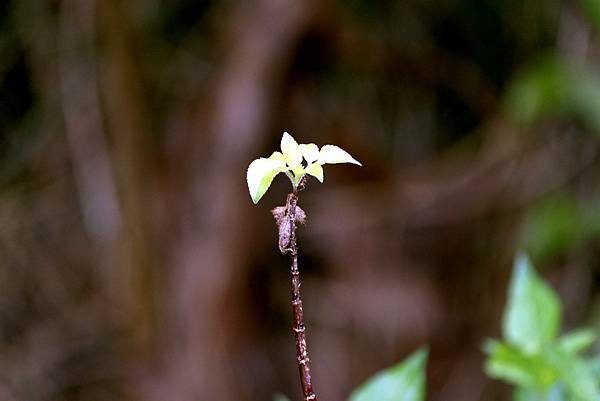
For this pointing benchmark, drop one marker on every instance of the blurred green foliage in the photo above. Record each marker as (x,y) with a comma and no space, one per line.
(532,357)
(559,223)
(592,11)
(552,86)
(403,382)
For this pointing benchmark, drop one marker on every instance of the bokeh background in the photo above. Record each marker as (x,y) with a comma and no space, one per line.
(134,266)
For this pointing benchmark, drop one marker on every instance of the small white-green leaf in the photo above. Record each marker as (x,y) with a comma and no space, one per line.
(576,341)
(403,382)
(291,150)
(316,170)
(334,154)
(310,152)
(298,174)
(278,156)
(259,176)
(533,312)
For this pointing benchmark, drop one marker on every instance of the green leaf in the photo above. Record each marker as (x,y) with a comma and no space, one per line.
(556,393)
(532,316)
(594,364)
(298,174)
(576,341)
(280,397)
(291,150)
(260,175)
(575,374)
(333,154)
(552,374)
(316,170)
(310,152)
(526,394)
(514,366)
(403,382)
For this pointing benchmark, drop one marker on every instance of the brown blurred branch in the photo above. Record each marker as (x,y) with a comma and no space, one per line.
(83,121)
(136,281)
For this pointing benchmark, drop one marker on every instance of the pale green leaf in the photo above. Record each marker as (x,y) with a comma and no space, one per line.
(403,382)
(514,366)
(594,364)
(577,341)
(310,152)
(289,174)
(334,154)
(278,156)
(298,173)
(259,176)
(291,150)
(556,393)
(575,374)
(533,313)
(316,170)
(525,394)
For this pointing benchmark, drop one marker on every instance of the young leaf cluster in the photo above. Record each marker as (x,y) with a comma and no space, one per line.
(294,160)
(532,357)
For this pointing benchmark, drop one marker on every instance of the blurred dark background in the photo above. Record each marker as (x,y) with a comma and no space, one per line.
(133,265)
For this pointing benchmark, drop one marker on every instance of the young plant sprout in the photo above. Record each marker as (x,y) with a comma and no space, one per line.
(289,161)
(260,175)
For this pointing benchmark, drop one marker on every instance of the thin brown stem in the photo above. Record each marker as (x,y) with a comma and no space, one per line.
(287,219)
(299,329)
